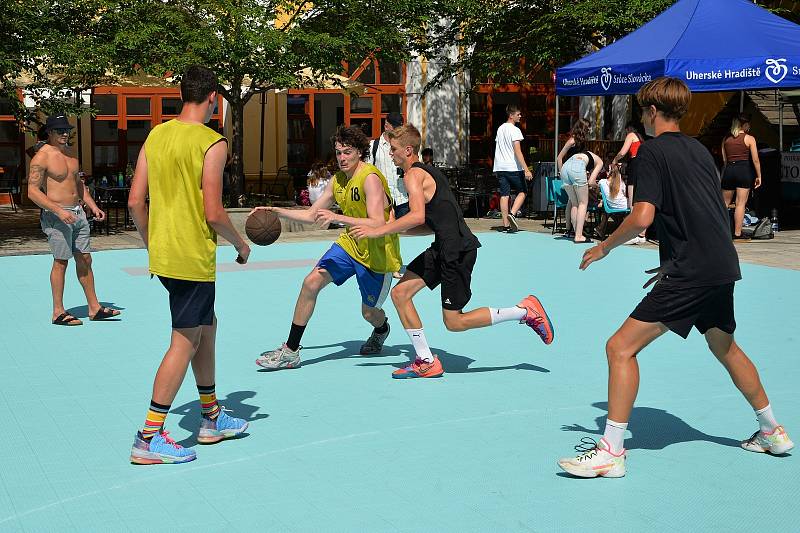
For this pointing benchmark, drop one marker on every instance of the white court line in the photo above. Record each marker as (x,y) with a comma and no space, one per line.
(236,267)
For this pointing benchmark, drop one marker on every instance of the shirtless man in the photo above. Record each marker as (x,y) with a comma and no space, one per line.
(54,186)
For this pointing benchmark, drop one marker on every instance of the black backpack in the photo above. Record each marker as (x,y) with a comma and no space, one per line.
(761,231)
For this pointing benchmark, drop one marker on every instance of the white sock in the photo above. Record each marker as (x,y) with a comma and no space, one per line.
(420,344)
(506,314)
(615,434)
(766,419)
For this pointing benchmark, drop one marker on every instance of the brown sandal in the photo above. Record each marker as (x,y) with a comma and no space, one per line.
(66,319)
(104,313)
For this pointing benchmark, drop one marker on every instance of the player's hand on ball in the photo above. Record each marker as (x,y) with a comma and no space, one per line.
(325,216)
(595,253)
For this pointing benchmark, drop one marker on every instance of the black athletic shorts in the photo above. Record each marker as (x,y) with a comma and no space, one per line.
(191,303)
(454,276)
(738,175)
(681,308)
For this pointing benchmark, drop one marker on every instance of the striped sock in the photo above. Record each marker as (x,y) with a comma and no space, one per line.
(155,419)
(208,401)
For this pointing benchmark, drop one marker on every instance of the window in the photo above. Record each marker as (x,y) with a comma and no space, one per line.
(391,103)
(138,106)
(105,104)
(125,118)
(362,104)
(391,73)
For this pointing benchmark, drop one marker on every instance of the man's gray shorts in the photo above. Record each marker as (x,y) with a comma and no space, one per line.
(66,239)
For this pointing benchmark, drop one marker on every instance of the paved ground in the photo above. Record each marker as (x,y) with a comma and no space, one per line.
(339,446)
(20,235)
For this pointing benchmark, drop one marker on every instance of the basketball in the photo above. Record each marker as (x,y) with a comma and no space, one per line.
(263,227)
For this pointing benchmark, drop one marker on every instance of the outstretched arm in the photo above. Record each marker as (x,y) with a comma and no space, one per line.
(376,203)
(639,220)
(304,216)
(415,217)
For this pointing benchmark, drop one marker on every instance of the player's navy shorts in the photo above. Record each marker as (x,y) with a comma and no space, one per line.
(341,266)
(681,308)
(511,180)
(191,303)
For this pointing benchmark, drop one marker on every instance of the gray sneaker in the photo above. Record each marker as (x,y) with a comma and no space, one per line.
(375,342)
(280,358)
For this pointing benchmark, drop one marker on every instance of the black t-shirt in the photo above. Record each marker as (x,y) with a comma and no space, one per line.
(677,175)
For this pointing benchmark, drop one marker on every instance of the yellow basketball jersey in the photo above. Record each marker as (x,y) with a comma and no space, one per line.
(181,243)
(381,254)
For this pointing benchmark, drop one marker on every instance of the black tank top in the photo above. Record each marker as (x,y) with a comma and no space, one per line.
(443,215)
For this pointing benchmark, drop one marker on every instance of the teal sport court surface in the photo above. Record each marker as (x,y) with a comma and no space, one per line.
(337,445)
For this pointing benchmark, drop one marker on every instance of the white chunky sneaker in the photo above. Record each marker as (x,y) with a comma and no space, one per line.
(279,358)
(594,459)
(776,443)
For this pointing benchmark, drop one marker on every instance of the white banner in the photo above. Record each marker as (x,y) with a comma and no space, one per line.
(790,167)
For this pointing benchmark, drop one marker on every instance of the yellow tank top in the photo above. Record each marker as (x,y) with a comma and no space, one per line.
(381,254)
(181,243)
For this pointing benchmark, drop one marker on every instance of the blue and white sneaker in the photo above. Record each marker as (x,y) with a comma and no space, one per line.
(158,450)
(223,427)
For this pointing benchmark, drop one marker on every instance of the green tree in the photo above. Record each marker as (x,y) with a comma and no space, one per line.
(52,50)
(257,45)
(507,42)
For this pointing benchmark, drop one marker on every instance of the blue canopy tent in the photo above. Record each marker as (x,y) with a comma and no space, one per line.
(713,45)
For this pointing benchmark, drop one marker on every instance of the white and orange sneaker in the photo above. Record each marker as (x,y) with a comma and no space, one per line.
(776,442)
(594,459)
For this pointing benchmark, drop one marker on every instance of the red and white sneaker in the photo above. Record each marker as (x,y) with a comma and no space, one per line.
(536,318)
(595,459)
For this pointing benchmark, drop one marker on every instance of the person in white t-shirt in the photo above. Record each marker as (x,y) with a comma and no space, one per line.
(379,156)
(318,179)
(510,167)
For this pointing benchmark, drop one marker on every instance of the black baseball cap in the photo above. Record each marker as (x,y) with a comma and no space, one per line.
(57,122)
(395,119)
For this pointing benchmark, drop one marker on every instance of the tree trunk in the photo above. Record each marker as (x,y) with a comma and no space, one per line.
(237,148)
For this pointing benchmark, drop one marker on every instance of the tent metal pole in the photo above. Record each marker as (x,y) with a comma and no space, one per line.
(555,161)
(780,126)
(741,101)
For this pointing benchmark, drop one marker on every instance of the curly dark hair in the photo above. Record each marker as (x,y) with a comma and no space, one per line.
(352,136)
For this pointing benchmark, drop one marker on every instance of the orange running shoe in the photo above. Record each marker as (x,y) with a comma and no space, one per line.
(420,369)
(536,318)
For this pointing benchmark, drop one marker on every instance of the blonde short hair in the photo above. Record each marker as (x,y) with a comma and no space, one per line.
(407,135)
(671,96)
